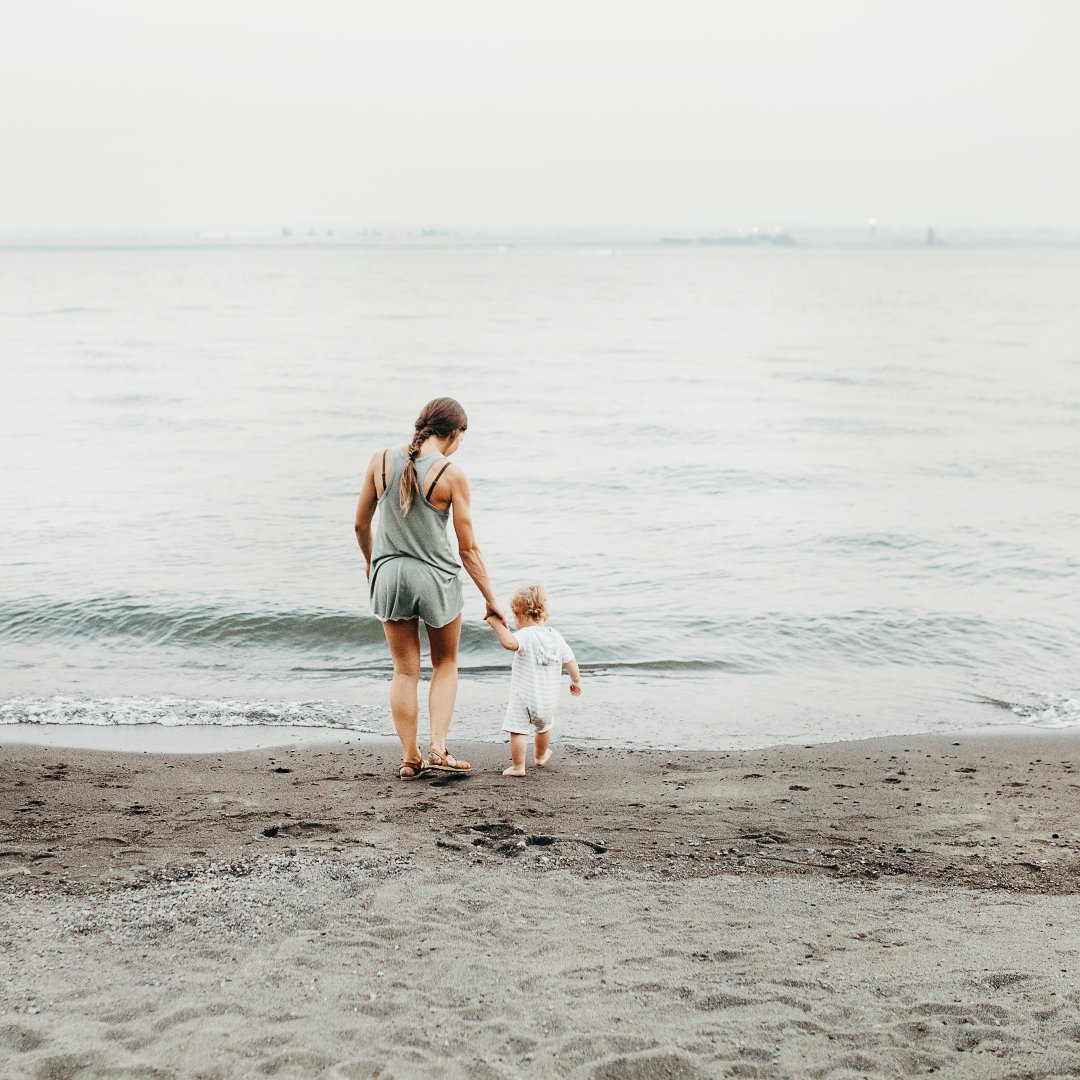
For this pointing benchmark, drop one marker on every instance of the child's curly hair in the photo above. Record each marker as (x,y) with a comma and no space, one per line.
(531,601)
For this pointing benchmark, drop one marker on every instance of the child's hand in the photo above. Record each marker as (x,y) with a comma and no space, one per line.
(575,689)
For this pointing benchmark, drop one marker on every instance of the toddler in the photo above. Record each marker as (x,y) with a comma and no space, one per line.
(540,654)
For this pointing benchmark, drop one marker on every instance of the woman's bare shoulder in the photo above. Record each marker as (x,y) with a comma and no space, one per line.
(442,483)
(456,477)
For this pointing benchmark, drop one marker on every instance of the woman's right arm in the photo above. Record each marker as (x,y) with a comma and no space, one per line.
(365,512)
(468,549)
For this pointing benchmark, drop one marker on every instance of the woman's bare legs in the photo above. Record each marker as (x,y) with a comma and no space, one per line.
(443,641)
(403,637)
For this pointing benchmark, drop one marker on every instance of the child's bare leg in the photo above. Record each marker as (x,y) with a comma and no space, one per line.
(542,750)
(518,744)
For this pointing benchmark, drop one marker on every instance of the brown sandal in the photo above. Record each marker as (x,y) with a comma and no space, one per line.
(446,762)
(412,770)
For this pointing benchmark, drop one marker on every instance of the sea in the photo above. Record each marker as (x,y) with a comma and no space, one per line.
(775,493)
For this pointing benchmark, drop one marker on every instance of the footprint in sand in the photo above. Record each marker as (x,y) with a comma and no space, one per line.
(499,836)
(294,830)
(197,1013)
(1002,979)
(296,1063)
(660,1065)
(719,1002)
(20,1039)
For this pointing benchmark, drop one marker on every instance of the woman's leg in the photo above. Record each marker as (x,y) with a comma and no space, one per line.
(443,641)
(403,637)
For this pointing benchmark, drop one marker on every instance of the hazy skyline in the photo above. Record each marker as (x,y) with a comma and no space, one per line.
(955,114)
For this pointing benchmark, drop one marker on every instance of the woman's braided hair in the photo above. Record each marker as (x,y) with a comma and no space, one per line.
(442,416)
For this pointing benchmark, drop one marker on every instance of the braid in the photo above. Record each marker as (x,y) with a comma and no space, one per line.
(409,481)
(422,434)
(442,417)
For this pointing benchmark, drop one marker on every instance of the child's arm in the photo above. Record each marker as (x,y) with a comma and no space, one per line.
(502,632)
(575,677)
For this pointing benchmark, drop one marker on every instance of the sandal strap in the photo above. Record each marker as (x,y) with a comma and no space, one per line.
(446,760)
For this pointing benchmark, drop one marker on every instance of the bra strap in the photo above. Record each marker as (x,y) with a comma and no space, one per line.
(436,480)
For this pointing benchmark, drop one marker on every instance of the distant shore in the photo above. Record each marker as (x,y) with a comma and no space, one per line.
(888,906)
(616,239)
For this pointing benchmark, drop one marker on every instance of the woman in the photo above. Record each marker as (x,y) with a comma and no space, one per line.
(413,575)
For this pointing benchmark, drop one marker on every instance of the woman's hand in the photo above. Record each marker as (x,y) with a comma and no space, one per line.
(493,611)
(367,572)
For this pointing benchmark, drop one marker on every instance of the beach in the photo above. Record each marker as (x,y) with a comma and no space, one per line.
(888,907)
(748,335)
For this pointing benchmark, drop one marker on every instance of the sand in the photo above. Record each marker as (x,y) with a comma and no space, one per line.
(889,908)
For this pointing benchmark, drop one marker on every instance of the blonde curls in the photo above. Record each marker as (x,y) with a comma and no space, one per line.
(441,416)
(530,601)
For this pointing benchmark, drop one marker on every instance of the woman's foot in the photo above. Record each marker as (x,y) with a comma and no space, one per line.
(514,770)
(412,770)
(444,761)
(543,759)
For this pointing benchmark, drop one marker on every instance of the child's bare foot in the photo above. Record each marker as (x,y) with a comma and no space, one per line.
(543,759)
(514,770)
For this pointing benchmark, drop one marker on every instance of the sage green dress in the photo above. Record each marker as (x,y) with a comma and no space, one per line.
(414,573)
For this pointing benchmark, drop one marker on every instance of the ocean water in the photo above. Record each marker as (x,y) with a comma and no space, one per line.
(790,494)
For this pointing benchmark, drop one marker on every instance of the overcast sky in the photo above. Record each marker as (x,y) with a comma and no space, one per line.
(462,113)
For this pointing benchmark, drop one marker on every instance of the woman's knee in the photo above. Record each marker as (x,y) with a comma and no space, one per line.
(407,668)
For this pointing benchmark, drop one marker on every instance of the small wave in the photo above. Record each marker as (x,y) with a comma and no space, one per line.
(124,618)
(183,712)
(865,637)
(599,667)
(1054,711)
(327,642)
(846,542)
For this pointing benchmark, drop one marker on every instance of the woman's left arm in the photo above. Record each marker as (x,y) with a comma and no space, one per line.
(365,512)
(468,548)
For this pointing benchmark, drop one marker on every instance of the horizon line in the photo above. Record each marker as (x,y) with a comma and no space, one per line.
(317,229)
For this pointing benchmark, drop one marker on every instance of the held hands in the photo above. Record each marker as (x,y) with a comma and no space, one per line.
(496,613)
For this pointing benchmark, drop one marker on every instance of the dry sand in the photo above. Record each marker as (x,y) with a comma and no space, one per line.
(886,908)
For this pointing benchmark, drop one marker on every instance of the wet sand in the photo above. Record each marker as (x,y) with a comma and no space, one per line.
(891,907)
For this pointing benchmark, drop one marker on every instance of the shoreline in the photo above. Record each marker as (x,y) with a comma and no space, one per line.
(154,738)
(179,738)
